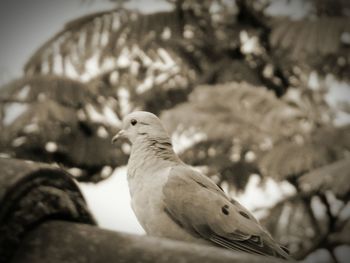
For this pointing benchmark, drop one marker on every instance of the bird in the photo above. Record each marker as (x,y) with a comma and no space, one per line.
(173,200)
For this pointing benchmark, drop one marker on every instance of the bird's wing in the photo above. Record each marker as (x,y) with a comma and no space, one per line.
(198,205)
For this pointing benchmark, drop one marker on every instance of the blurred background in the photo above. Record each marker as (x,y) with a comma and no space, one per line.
(255,94)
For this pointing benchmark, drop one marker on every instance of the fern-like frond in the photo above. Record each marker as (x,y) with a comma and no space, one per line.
(119,40)
(289,159)
(320,44)
(53,119)
(136,58)
(65,91)
(66,52)
(334,177)
(321,36)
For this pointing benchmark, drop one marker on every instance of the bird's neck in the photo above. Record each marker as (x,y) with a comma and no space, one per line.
(148,153)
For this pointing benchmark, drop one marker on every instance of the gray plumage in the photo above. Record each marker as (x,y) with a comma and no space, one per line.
(172,200)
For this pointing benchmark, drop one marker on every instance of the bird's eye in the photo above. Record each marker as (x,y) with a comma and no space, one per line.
(133,122)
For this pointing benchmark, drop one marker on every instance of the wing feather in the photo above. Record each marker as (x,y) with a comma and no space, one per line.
(197,204)
(239,246)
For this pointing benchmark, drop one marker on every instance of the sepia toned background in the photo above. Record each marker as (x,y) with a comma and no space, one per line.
(255,94)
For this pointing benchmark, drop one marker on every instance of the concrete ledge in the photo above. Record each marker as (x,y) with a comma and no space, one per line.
(57,241)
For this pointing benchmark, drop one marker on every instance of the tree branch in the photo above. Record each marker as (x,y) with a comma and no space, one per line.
(333,256)
(10,100)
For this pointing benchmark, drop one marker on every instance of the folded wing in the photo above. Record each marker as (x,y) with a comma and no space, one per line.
(197,204)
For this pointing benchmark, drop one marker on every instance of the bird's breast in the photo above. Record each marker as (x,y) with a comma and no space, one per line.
(148,205)
(146,194)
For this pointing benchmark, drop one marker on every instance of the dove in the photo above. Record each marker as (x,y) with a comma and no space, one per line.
(173,200)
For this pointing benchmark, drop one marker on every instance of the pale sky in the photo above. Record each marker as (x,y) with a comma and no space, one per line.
(109,201)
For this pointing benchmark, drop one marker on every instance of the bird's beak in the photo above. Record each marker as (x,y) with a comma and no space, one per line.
(117,136)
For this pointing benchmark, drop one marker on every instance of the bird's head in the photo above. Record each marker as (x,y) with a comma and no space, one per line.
(141,124)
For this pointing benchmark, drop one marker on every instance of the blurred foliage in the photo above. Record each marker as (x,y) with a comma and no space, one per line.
(232,82)
(125,55)
(320,44)
(321,147)
(56,124)
(234,108)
